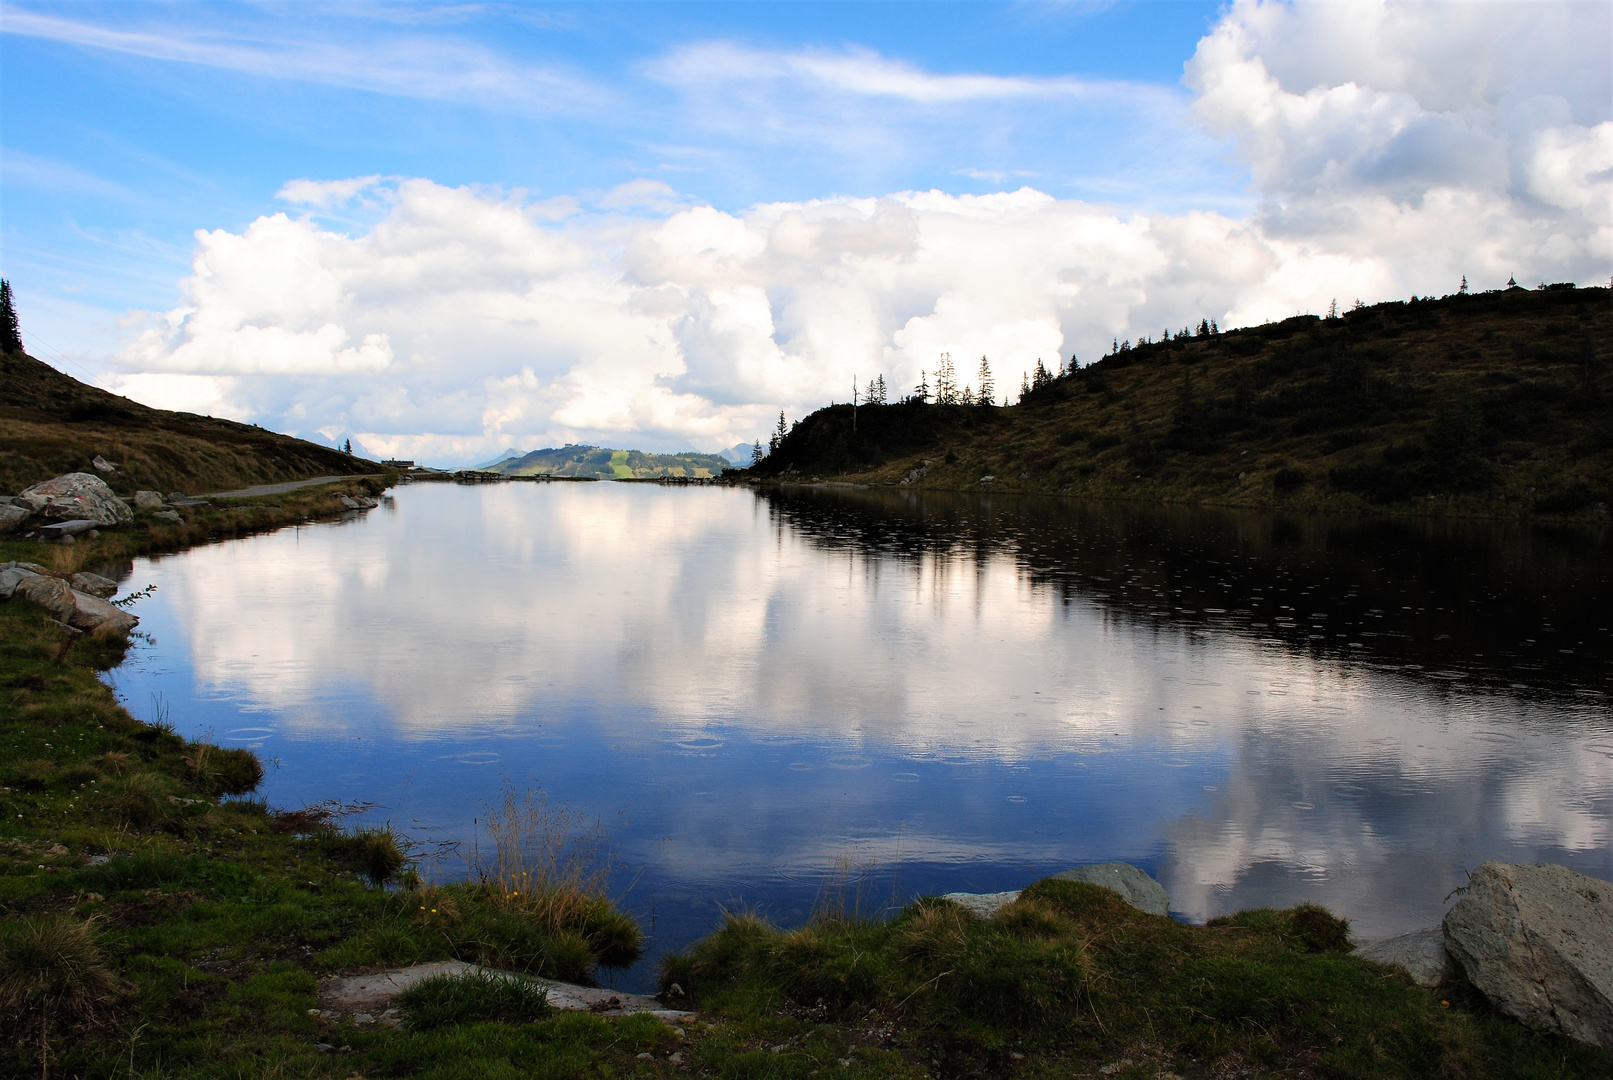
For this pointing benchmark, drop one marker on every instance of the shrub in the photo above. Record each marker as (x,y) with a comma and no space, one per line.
(475,996)
(375,853)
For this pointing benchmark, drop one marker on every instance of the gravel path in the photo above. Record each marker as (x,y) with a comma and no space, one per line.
(279,489)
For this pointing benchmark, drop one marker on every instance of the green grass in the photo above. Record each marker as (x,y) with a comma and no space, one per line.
(1069,978)
(1494,405)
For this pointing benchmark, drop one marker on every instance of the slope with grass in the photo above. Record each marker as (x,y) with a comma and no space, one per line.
(52,424)
(1493,404)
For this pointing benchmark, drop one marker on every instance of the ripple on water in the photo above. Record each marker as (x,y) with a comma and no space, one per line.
(906,777)
(699,744)
(1016,799)
(1493,737)
(475,757)
(849,763)
(248,734)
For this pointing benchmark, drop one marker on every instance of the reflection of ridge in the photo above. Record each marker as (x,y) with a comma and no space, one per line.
(1440,600)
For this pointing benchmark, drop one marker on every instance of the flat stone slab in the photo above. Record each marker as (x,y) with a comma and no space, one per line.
(983,904)
(1420,954)
(366,997)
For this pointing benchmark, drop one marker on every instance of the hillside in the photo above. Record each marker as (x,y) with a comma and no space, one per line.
(604,463)
(1493,403)
(51,423)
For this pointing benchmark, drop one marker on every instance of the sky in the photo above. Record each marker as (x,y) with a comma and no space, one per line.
(444,230)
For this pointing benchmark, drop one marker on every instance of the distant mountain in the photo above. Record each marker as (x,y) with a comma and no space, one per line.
(739,453)
(603,463)
(509,454)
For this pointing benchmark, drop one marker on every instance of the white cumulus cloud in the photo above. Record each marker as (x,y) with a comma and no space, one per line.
(1392,151)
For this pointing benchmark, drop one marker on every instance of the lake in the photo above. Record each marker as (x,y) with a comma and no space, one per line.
(767,698)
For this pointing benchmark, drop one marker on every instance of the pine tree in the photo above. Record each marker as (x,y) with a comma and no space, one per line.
(1333,308)
(922,390)
(1041,376)
(10,332)
(778,435)
(756,452)
(946,382)
(1463,290)
(987,385)
(347,447)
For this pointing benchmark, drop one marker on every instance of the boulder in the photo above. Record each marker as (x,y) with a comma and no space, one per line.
(78,610)
(148,500)
(94,584)
(1420,954)
(79,495)
(1134,886)
(1538,942)
(10,578)
(103,465)
(12,515)
(167,515)
(361,996)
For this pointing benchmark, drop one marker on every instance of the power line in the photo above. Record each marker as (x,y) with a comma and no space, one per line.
(56,354)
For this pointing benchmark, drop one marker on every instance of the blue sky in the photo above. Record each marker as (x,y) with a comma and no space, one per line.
(1189,159)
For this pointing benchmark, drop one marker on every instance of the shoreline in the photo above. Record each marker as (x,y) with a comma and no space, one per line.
(127,828)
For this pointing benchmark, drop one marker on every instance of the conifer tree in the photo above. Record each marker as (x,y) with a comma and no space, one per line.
(1463,290)
(922,390)
(10,332)
(756,452)
(987,385)
(946,382)
(778,435)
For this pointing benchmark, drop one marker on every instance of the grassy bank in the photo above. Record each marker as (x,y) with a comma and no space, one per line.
(1497,405)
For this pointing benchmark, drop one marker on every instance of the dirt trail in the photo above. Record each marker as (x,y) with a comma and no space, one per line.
(281,489)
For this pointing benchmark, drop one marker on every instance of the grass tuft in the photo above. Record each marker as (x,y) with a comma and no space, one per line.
(473,997)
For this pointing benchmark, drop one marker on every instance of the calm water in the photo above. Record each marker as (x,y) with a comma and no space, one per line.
(946,691)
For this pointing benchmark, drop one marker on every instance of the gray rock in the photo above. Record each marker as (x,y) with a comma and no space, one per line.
(79,610)
(79,495)
(12,515)
(1538,942)
(103,465)
(10,578)
(347,503)
(983,904)
(1134,886)
(71,527)
(167,515)
(370,994)
(1420,954)
(147,500)
(94,584)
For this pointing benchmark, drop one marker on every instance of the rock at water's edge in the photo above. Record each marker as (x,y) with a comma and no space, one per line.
(148,500)
(983,904)
(79,495)
(1420,954)
(362,995)
(1134,886)
(1538,942)
(94,584)
(78,610)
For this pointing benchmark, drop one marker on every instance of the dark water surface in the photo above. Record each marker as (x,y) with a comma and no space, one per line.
(946,692)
